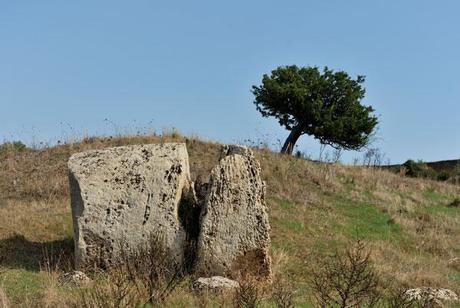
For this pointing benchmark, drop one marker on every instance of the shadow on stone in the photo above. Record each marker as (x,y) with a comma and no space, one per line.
(189,215)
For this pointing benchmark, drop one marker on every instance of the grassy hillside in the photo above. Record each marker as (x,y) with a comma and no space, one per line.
(411,225)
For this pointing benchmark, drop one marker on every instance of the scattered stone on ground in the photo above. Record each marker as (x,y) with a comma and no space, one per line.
(214,283)
(435,295)
(122,195)
(75,278)
(454,263)
(234,231)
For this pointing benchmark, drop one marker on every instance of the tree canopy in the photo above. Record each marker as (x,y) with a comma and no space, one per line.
(324,104)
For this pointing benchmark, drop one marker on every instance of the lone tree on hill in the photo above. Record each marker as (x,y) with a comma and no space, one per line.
(326,105)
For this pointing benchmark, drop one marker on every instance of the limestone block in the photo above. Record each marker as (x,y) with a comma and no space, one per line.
(123,195)
(234,231)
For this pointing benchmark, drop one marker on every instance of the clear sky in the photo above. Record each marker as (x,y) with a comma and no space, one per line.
(66,66)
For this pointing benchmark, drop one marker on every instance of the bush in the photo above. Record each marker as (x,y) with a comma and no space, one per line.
(151,269)
(142,276)
(247,295)
(4,302)
(398,298)
(418,169)
(443,176)
(283,295)
(455,203)
(115,292)
(346,279)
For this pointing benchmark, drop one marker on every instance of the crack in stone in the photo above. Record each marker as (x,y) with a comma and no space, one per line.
(147,209)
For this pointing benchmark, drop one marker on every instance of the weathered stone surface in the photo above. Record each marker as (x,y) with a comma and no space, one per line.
(432,295)
(214,283)
(234,236)
(125,194)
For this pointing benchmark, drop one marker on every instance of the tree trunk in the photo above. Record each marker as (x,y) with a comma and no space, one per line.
(289,144)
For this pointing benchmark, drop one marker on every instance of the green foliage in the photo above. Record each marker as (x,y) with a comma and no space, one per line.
(418,169)
(443,176)
(445,171)
(12,146)
(455,203)
(326,105)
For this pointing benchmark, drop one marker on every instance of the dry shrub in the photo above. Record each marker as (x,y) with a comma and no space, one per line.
(248,294)
(279,260)
(283,294)
(281,290)
(141,276)
(115,292)
(398,298)
(455,203)
(347,279)
(56,260)
(4,302)
(202,298)
(151,269)
(2,260)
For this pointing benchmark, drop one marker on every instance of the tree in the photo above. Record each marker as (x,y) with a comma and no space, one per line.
(326,105)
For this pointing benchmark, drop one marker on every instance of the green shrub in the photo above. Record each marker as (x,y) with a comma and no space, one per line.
(443,176)
(12,146)
(418,169)
(455,203)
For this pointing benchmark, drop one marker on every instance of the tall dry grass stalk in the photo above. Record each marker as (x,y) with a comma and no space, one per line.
(4,301)
(140,276)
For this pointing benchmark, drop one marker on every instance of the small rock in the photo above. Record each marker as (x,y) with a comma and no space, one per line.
(75,278)
(214,283)
(454,263)
(436,295)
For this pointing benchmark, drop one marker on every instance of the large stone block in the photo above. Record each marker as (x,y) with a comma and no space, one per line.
(234,236)
(125,194)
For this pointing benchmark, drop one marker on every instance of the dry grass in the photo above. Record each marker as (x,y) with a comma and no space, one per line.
(4,302)
(314,208)
(42,174)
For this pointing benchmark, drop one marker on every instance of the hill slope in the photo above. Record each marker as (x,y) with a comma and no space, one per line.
(448,166)
(314,209)
(443,170)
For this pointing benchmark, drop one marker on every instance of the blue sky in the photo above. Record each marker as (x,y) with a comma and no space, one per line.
(66,66)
